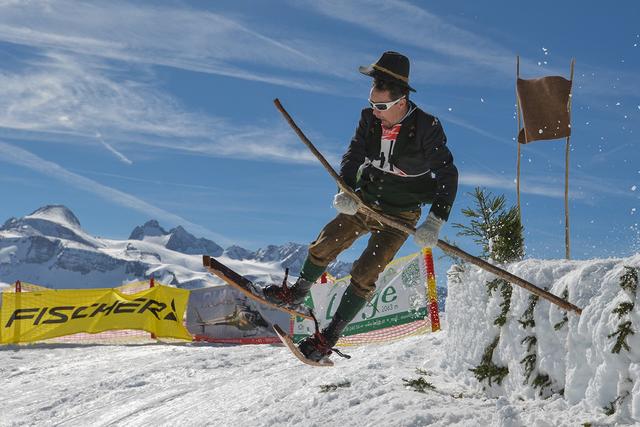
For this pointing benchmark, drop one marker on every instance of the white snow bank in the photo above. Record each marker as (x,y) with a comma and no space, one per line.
(576,356)
(254,385)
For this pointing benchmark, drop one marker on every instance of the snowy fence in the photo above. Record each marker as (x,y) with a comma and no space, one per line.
(523,346)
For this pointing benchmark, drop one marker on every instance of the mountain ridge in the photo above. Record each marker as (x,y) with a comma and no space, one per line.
(49,247)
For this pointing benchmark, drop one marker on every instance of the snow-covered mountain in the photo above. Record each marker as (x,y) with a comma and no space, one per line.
(290,255)
(50,248)
(177,239)
(239,253)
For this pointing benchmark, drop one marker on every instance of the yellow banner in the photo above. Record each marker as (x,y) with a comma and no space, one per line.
(35,316)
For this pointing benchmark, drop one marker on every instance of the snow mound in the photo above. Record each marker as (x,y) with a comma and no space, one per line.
(56,213)
(572,355)
(50,222)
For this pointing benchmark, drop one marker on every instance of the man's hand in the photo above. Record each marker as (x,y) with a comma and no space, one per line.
(345,204)
(427,234)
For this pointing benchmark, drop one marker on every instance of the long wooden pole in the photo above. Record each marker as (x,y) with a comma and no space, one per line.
(567,243)
(446,247)
(517,142)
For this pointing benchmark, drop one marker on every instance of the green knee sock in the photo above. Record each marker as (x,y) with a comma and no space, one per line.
(350,304)
(310,271)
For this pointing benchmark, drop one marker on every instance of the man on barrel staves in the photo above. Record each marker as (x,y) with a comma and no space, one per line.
(397,161)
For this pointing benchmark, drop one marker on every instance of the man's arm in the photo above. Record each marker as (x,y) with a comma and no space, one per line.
(441,164)
(355,155)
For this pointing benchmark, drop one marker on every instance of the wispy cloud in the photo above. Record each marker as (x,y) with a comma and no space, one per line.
(456,55)
(583,188)
(179,37)
(451,118)
(15,155)
(427,32)
(118,154)
(62,93)
(203,41)
(75,89)
(531,186)
(68,98)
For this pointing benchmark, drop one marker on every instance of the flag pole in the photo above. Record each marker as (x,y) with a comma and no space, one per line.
(566,174)
(517,142)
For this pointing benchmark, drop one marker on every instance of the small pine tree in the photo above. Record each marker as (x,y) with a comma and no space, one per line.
(487,370)
(629,283)
(497,229)
(629,280)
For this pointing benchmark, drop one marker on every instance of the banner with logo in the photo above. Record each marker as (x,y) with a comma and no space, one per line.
(400,298)
(36,316)
(222,314)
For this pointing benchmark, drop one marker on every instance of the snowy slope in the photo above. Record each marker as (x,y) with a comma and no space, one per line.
(257,385)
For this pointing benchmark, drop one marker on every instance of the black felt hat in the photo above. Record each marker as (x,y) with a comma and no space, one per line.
(392,66)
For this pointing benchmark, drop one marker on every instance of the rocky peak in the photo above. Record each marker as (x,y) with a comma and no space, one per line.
(280,253)
(150,229)
(56,213)
(52,221)
(183,241)
(239,253)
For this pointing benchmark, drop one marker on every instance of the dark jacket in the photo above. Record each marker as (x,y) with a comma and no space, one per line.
(420,147)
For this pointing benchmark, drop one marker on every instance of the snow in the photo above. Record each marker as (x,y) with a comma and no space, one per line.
(198,384)
(577,357)
(264,385)
(58,214)
(52,220)
(157,240)
(261,385)
(6,253)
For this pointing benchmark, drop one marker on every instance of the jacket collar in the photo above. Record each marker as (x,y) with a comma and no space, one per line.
(412,108)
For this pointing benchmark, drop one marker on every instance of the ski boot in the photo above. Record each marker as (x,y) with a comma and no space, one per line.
(287,296)
(320,345)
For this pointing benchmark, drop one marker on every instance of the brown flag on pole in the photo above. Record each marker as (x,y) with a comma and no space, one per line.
(545,108)
(544,105)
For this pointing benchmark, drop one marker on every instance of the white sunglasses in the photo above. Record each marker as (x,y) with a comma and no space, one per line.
(383,106)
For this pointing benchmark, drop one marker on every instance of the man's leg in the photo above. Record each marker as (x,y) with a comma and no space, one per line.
(383,245)
(334,238)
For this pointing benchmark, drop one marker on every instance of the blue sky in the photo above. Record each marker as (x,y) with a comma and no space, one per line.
(127,111)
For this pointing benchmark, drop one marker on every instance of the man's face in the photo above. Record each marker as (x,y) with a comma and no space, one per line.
(391,116)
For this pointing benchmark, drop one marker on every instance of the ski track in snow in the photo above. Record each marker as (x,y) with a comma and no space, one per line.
(257,385)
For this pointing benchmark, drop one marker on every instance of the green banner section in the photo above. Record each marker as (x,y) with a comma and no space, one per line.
(378,323)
